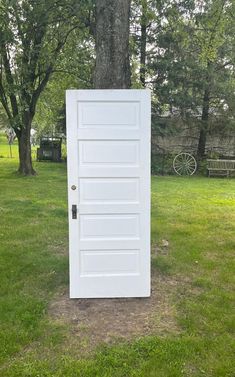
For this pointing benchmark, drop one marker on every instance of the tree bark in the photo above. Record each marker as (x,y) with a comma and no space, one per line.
(112,69)
(204,126)
(25,158)
(143,42)
(205,115)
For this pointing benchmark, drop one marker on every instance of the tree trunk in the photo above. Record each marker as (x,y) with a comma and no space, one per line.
(205,114)
(25,158)
(143,42)
(112,69)
(204,126)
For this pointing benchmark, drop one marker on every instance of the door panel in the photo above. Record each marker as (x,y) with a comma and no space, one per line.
(109,262)
(109,153)
(102,114)
(109,190)
(108,139)
(109,226)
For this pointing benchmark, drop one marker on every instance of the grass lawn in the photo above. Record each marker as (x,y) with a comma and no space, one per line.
(7,151)
(195,215)
(5,148)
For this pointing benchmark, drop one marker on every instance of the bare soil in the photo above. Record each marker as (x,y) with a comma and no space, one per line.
(96,321)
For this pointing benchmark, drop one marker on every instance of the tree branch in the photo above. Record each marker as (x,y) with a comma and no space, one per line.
(4,101)
(9,78)
(39,89)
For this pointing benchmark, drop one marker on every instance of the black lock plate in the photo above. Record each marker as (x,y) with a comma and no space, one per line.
(74,211)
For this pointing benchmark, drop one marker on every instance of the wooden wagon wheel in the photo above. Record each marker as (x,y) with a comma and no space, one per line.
(184,164)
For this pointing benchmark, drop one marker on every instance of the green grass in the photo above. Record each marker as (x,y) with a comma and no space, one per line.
(7,151)
(5,148)
(196,215)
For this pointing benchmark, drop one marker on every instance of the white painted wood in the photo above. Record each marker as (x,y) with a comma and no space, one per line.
(108,145)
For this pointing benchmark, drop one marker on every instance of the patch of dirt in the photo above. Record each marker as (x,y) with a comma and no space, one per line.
(97,321)
(160,249)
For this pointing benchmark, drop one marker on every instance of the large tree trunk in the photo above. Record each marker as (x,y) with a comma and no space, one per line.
(204,125)
(25,158)
(112,69)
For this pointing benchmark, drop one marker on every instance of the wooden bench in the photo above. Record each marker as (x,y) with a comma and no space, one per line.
(220,167)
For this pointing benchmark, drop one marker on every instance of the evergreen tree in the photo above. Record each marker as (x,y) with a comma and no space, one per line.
(193,69)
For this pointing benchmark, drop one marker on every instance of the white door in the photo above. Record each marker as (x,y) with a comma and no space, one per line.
(108,139)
